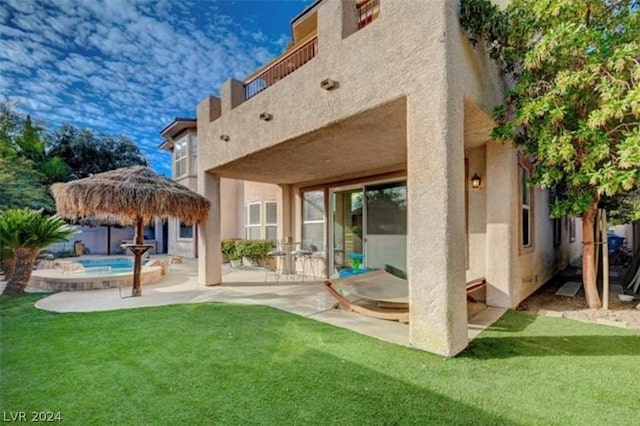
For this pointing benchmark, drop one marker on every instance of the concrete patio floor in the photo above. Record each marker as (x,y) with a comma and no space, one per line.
(247,286)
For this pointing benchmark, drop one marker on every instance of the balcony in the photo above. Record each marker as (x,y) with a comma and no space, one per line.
(280,67)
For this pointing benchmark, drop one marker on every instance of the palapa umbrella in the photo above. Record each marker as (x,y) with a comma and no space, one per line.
(130,196)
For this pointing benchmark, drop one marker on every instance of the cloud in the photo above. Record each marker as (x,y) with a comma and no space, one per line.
(121,66)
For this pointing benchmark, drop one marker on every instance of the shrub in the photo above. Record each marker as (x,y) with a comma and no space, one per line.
(229,250)
(254,250)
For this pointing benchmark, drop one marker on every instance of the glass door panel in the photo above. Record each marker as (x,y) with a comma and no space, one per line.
(347,226)
(386,225)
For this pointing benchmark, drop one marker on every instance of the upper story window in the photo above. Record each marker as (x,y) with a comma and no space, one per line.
(368,11)
(526,207)
(194,154)
(181,159)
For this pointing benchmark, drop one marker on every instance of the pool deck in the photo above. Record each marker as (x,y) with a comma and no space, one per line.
(247,286)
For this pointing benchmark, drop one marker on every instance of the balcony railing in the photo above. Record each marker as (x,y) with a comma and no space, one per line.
(368,11)
(280,68)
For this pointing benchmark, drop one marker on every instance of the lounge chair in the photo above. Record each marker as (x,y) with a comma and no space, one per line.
(382,294)
(379,294)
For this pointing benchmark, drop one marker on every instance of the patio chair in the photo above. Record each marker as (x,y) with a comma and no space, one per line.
(276,259)
(304,257)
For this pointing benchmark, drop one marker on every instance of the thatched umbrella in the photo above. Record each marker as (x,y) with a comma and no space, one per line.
(130,196)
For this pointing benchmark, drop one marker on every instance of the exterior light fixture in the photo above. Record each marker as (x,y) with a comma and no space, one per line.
(328,84)
(224,138)
(476,181)
(266,116)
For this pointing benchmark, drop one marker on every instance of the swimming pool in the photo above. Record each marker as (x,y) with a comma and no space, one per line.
(114,264)
(99,273)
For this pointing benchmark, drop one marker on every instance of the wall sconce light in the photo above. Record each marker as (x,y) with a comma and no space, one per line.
(224,138)
(266,116)
(328,84)
(476,181)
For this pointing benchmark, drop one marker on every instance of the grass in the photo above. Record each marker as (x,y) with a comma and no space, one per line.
(229,364)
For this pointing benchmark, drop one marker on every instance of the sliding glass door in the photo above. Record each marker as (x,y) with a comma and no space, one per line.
(386,225)
(370,220)
(347,226)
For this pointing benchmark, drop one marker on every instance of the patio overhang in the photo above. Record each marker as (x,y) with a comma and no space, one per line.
(477,125)
(370,143)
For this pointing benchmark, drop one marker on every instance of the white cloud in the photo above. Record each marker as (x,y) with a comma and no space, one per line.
(124,65)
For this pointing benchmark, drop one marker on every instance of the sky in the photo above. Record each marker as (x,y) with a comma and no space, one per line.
(129,67)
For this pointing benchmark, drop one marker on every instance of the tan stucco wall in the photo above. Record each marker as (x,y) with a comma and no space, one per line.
(256,191)
(416,58)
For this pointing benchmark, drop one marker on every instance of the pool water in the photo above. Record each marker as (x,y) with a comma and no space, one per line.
(114,265)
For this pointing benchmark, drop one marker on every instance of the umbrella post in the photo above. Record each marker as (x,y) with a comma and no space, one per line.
(138,250)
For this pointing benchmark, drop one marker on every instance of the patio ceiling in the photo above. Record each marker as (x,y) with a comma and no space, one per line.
(477,125)
(372,142)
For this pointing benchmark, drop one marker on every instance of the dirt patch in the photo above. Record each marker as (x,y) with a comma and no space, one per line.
(545,302)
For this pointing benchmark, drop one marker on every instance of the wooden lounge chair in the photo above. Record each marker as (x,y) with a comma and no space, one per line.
(378,294)
(382,294)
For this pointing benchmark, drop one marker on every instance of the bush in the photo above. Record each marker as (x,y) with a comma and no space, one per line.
(254,250)
(229,250)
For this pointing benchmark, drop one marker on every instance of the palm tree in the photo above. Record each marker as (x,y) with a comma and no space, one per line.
(26,233)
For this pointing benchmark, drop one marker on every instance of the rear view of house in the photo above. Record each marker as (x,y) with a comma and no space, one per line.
(372,132)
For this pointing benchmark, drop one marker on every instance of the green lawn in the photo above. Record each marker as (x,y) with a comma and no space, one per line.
(229,364)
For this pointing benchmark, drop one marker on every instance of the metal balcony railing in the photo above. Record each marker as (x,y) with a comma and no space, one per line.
(280,68)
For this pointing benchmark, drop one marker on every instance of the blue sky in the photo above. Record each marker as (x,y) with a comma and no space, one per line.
(130,66)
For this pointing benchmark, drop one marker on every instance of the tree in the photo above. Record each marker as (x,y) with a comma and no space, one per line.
(23,182)
(21,185)
(27,232)
(573,105)
(88,152)
(31,144)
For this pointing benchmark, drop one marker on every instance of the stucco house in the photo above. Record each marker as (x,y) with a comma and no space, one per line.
(372,132)
(249,208)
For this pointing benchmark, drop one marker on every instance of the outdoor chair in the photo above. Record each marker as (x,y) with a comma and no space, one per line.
(304,257)
(276,259)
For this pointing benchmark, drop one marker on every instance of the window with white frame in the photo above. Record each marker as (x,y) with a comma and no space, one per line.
(313,217)
(253,221)
(526,207)
(185,231)
(181,158)
(271,221)
(194,154)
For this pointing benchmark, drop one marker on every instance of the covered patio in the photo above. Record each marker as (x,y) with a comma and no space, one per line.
(247,286)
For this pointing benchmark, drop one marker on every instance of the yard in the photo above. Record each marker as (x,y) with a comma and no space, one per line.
(230,364)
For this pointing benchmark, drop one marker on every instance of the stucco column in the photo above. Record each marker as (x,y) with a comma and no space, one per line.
(232,94)
(284,200)
(435,215)
(209,254)
(502,227)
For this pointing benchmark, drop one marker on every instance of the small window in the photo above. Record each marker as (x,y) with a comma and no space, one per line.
(368,11)
(271,221)
(526,207)
(180,152)
(253,222)
(572,229)
(557,222)
(313,218)
(185,232)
